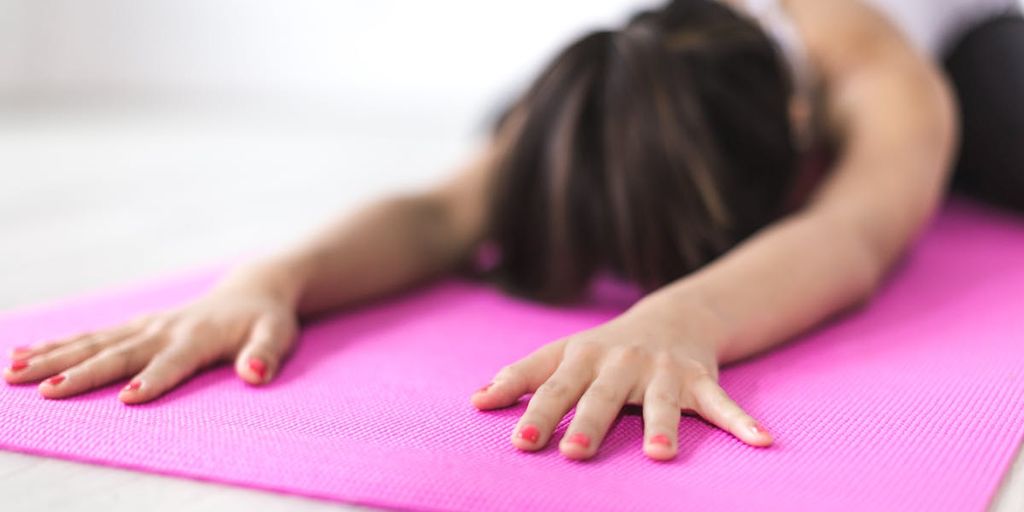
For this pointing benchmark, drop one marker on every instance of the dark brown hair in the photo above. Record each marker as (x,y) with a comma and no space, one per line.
(646,151)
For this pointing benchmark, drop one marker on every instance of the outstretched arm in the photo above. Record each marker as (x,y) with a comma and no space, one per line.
(250,316)
(895,118)
(384,247)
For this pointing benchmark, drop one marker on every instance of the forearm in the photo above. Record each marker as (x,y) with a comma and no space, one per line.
(895,117)
(383,247)
(775,285)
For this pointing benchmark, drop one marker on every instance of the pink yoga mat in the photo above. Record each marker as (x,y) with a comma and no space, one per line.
(914,403)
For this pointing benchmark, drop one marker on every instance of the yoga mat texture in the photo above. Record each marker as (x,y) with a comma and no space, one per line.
(915,402)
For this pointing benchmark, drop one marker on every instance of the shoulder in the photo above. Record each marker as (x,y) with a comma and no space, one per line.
(844,34)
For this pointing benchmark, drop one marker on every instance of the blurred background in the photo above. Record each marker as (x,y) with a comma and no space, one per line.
(146,137)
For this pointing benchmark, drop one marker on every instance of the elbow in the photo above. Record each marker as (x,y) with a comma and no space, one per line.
(865,282)
(864,271)
(941,137)
(947,117)
(865,262)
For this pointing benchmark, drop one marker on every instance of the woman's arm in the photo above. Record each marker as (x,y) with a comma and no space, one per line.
(895,120)
(250,316)
(386,246)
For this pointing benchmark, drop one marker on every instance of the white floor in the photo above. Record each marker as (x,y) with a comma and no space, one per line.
(94,196)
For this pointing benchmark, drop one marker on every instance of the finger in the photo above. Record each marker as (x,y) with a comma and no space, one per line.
(550,402)
(269,342)
(178,360)
(597,409)
(661,417)
(714,405)
(114,362)
(522,377)
(61,358)
(24,352)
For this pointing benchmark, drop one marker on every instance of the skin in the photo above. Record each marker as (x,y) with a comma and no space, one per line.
(888,106)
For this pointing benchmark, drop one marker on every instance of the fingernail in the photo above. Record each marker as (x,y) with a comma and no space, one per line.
(133,385)
(56,379)
(258,367)
(661,439)
(485,388)
(22,348)
(530,433)
(759,429)
(580,439)
(18,365)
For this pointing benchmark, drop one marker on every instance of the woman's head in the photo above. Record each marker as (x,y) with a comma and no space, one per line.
(648,150)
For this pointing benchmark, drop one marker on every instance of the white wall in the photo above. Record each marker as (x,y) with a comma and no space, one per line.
(12,46)
(139,137)
(446,50)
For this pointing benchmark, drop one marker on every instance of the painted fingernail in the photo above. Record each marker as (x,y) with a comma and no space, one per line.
(759,429)
(661,439)
(258,367)
(22,348)
(133,385)
(580,439)
(18,365)
(56,379)
(485,388)
(530,433)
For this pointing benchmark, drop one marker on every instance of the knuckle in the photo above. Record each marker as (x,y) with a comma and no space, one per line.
(509,373)
(553,388)
(177,359)
(185,327)
(541,414)
(92,343)
(154,326)
(700,378)
(667,364)
(665,397)
(113,352)
(583,349)
(630,354)
(68,340)
(603,393)
(122,354)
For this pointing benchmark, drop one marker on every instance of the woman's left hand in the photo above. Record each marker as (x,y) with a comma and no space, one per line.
(661,359)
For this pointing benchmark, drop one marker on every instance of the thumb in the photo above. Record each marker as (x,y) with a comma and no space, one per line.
(270,340)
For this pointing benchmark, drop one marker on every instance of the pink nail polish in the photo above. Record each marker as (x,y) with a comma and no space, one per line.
(661,439)
(133,385)
(530,433)
(580,439)
(258,367)
(18,365)
(22,348)
(56,379)
(485,388)
(759,429)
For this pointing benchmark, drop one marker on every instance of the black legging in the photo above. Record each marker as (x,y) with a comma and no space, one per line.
(987,70)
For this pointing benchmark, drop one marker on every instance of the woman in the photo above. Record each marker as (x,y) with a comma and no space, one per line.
(755,167)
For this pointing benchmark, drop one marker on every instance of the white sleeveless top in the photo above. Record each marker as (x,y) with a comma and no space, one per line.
(930,25)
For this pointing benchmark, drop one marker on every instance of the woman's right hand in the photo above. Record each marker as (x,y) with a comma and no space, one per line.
(243,322)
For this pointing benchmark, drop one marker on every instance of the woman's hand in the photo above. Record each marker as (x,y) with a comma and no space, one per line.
(242,321)
(652,356)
